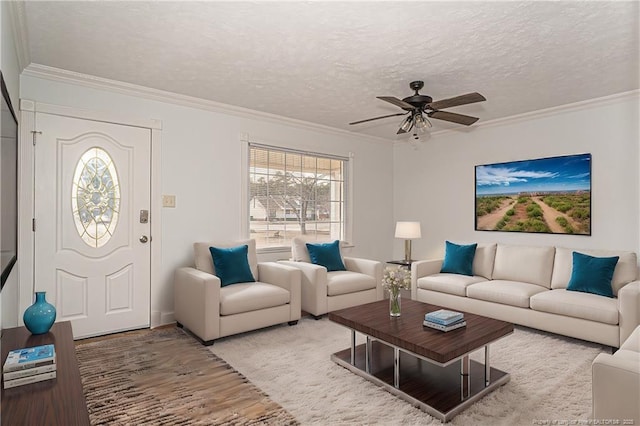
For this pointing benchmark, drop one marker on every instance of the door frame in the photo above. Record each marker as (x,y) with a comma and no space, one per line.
(26,197)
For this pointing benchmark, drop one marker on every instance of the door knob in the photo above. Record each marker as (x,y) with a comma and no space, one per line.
(144,239)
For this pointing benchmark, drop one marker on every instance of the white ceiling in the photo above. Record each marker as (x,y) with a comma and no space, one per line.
(325,62)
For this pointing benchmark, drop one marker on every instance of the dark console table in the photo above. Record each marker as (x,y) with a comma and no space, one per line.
(405,263)
(53,402)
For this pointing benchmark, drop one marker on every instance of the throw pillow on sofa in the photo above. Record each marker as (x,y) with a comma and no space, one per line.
(592,274)
(458,259)
(232,264)
(327,255)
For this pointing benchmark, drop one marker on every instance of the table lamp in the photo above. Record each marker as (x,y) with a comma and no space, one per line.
(408,231)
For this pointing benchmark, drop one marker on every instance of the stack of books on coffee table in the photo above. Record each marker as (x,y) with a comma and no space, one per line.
(29,365)
(444,320)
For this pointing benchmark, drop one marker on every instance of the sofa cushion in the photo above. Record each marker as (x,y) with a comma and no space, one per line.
(458,259)
(327,255)
(204,262)
(592,274)
(247,297)
(231,265)
(448,283)
(484,259)
(524,263)
(344,282)
(299,251)
(578,305)
(625,272)
(512,293)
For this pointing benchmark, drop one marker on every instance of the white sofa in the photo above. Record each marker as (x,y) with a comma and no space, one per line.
(616,383)
(324,291)
(526,285)
(210,311)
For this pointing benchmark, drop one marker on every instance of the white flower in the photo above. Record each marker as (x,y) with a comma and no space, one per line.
(395,279)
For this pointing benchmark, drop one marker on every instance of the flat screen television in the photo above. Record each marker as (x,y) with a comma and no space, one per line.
(8,186)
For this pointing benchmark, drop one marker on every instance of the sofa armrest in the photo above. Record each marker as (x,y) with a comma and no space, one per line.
(369,267)
(423,268)
(286,277)
(197,302)
(629,309)
(313,286)
(616,387)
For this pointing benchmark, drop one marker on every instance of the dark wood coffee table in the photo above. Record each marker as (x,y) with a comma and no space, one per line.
(53,402)
(428,368)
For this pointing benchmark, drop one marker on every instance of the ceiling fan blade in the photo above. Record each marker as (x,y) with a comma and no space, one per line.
(397,102)
(453,117)
(469,98)
(378,118)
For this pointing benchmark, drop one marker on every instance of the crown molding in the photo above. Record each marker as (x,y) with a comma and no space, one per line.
(94,82)
(17,18)
(85,80)
(541,113)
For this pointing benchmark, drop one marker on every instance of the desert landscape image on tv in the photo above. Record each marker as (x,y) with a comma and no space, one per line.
(546,195)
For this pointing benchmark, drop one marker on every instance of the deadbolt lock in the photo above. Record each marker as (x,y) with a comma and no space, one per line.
(144,216)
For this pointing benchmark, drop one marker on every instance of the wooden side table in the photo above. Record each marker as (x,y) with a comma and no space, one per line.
(53,402)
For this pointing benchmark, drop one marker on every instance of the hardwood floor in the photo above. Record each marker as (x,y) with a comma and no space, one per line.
(120,334)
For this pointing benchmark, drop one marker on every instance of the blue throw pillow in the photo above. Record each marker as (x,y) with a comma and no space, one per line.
(327,255)
(592,274)
(232,264)
(458,259)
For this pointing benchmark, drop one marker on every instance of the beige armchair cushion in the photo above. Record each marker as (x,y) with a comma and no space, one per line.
(204,261)
(344,282)
(299,251)
(246,297)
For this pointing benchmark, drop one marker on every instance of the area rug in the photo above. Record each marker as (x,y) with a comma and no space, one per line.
(550,378)
(165,377)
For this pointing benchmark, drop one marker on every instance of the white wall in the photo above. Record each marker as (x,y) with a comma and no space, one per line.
(11,75)
(201,158)
(435,182)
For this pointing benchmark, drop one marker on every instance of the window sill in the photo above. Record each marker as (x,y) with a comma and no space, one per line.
(287,249)
(267,250)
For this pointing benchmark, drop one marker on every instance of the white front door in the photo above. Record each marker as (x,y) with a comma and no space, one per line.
(92,244)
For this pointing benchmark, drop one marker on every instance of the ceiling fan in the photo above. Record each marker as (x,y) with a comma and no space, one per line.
(417,105)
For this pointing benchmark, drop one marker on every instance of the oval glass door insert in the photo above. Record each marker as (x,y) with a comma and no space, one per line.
(95,197)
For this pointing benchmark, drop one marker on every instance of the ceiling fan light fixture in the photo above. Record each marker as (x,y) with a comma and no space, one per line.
(422,107)
(421,122)
(406,124)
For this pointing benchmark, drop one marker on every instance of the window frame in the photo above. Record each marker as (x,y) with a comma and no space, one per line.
(245,225)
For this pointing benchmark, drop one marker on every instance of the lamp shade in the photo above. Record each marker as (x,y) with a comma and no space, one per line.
(408,230)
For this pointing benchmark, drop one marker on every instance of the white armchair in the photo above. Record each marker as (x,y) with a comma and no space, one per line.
(324,291)
(211,311)
(616,383)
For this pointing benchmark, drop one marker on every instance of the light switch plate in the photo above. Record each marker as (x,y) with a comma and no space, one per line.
(168,201)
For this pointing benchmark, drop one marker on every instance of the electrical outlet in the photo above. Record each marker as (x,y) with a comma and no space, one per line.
(168,201)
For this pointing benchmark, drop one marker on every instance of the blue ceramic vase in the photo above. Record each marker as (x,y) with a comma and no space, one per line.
(39,317)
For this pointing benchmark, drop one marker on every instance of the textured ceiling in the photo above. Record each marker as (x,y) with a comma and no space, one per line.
(325,62)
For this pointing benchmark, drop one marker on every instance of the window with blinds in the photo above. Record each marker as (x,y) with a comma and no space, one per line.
(293,193)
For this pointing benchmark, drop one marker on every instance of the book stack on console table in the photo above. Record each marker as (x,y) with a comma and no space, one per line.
(29,365)
(444,320)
